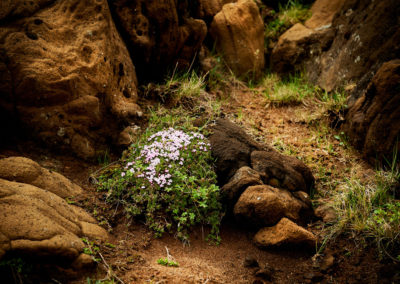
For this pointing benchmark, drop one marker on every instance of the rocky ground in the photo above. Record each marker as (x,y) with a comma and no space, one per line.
(294,152)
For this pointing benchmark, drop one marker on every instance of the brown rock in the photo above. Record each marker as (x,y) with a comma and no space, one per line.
(323,12)
(238,31)
(128,135)
(39,223)
(298,44)
(231,147)
(76,82)
(343,42)
(159,33)
(326,213)
(209,8)
(291,173)
(24,170)
(243,178)
(373,122)
(263,205)
(285,233)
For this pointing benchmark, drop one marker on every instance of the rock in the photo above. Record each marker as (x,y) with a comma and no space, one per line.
(263,205)
(342,42)
(362,42)
(373,122)
(265,273)
(38,223)
(24,170)
(128,135)
(242,179)
(159,34)
(250,261)
(298,44)
(326,212)
(209,8)
(282,171)
(238,32)
(327,262)
(76,82)
(323,13)
(231,147)
(285,233)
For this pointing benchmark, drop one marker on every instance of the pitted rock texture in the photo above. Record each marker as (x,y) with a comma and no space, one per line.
(24,170)
(238,32)
(207,9)
(36,222)
(261,186)
(243,178)
(373,122)
(264,205)
(231,147)
(285,233)
(343,42)
(66,74)
(159,34)
(234,149)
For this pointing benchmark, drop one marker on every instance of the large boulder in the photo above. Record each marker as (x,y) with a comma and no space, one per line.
(207,9)
(264,205)
(373,122)
(231,147)
(302,42)
(234,149)
(343,42)
(24,170)
(38,223)
(238,31)
(159,34)
(66,75)
(282,171)
(285,233)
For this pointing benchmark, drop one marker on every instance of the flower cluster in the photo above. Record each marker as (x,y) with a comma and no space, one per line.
(165,148)
(168,179)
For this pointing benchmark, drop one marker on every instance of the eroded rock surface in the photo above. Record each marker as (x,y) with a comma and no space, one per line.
(66,74)
(260,185)
(238,31)
(37,222)
(159,33)
(373,122)
(264,205)
(343,42)
(285,233)
(25,170)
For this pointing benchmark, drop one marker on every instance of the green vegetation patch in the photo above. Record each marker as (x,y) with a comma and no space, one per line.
(167,177)
(292,13)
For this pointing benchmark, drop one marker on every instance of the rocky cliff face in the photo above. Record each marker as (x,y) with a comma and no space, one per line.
(66,74)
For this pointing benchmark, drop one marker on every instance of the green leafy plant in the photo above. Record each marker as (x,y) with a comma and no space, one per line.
(167,178)
(167,262)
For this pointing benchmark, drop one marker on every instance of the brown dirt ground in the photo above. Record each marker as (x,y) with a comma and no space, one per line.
(134,257)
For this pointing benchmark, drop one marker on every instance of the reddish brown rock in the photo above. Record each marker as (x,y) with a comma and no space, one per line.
(209,8)
(238,31)
(24,170)
(343,42)
(264,205)
(243,178)
(373,122)
(285,233)
(159,34)
(66,74)
(282,171)
(38,223)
